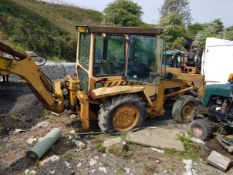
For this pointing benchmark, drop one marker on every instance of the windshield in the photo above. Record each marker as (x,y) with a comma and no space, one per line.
(109,56)
(142,54)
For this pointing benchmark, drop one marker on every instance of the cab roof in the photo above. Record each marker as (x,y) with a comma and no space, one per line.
(119,30)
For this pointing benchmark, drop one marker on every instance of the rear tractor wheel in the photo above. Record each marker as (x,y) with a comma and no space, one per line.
(184,108)
(122,113)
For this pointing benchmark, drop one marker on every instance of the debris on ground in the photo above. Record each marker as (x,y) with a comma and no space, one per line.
(65,157)
(196,140)
(119,158)
(31,141)
(157,150)
(73,116)
(110,142)
(51,158)
(79,165)
(188,167)
(72,132)
(157,137)
(127,170)
(57,167)
(226,140)
(54,113)
(219,161)
(81,145)
(27,171)
(42,124)
(114,146)
(16,131)
(92,162)
(72,135)
(103,169)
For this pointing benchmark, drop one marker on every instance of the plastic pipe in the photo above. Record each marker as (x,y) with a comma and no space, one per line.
(43,145)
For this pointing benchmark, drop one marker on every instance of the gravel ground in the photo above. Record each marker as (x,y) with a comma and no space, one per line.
(17,98)
(65,157)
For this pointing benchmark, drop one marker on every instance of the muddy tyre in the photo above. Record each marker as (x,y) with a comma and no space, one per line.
(200,128)
(122,113)
(184,108)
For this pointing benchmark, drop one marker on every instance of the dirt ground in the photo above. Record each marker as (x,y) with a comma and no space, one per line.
(21,110)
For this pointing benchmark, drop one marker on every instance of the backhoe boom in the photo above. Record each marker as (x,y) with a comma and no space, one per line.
(25,67)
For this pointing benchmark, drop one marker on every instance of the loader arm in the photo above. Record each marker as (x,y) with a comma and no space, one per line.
(24,66)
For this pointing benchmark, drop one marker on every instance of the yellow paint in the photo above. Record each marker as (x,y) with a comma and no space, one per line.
(116,90)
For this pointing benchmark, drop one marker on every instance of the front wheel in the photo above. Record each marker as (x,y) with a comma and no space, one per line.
(200,128)
(122,113)
(184,108)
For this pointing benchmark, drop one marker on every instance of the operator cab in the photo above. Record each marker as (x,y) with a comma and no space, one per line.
(172,58)
(127,53)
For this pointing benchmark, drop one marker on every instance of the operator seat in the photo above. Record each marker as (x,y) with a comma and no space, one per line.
(106,68)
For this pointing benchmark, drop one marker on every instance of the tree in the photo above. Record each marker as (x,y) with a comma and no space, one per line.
(216,26)
(180,7)
(212,29)
(228,34)
(123,13)
(174,30)
(194,29)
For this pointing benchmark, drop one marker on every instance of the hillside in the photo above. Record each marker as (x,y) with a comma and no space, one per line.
(45,28)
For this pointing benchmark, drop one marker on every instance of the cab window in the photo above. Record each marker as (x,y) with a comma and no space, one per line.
(84,49)
(142,55)
(109,55)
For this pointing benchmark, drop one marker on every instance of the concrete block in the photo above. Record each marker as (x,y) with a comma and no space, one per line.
(219,161)
(157,137)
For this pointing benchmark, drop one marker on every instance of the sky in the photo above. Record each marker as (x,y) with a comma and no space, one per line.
(202,10)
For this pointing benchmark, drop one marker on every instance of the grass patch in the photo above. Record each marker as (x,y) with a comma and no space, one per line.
(1,128)
(46,28)
(99,139)
(123,136)
(14,117)
(120,170)
(21,118)
(100,148)
(46,113)
(71,155)
(127,156)
(191,150)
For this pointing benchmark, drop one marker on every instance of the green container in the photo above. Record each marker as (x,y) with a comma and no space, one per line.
(42,146)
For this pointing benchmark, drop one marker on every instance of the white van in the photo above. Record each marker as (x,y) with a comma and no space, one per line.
(217,60)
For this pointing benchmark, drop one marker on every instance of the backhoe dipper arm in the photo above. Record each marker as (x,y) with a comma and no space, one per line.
(25,67)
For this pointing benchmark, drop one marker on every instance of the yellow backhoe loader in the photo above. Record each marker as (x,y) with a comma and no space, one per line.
(120,79)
